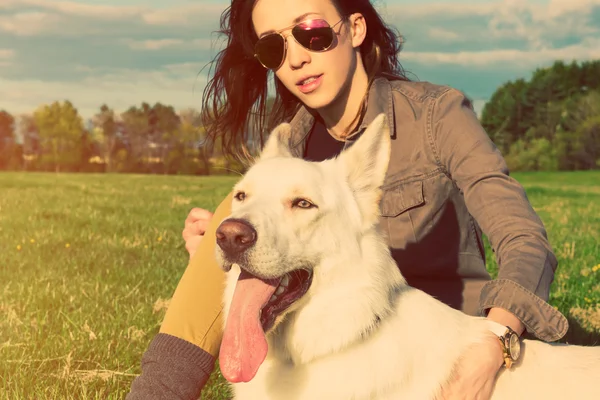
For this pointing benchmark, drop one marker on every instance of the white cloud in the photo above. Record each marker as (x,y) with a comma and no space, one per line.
(188,15)
(160,44)
(541,25)
(69,18)
(478,105)
(97,11)
(30,23)
(560,7)
(6,58)
(427,9)
(587,50)
(552,9)
(442,34)
(178,85)
(153,44)
(7,53)
(496,23)
(6,4)
(76,9)
(189,68)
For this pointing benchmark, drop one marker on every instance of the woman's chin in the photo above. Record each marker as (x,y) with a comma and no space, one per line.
(317,101)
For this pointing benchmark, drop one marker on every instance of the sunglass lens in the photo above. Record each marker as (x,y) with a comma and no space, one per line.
(315,38)
(269,50)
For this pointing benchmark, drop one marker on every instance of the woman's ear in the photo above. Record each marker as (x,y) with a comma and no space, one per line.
(358,29)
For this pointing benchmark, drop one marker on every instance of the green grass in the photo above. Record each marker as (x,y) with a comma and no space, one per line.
(88,261)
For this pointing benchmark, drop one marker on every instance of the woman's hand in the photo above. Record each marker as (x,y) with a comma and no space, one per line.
(196,224)
(475,374)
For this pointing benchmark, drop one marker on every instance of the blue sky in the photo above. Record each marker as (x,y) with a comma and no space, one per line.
(123,52)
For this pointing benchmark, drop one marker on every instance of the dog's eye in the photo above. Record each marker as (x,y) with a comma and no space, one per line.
(240,196)
(302,203)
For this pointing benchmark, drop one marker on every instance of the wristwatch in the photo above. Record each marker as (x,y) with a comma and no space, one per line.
(510,341)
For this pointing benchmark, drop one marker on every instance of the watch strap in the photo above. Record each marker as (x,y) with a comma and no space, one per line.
(502,332)
(498,329)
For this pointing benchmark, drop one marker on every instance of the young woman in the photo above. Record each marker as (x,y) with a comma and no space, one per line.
(335,65)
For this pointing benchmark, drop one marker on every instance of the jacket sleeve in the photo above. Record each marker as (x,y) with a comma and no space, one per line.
(181,357)
(172,369)
(498,203)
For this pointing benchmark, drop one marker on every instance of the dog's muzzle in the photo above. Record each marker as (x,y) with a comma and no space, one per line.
(234,237)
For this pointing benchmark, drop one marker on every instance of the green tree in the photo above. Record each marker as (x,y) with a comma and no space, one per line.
(502,116)
(31,150)
(590,74)
(7,139)
(135,136)
(557,104)
(194,157)
(165,126)
(60,128)
(104,135)
(149,133)
(535,155)
(577,138)
(586,149)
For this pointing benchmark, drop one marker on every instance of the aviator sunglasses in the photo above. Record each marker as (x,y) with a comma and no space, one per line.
(314,35)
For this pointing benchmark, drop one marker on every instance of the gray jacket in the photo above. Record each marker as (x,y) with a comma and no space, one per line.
(446,184)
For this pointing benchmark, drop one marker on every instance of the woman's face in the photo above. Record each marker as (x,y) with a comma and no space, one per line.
(316,78)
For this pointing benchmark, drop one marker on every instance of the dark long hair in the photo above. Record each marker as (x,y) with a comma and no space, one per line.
(235,98)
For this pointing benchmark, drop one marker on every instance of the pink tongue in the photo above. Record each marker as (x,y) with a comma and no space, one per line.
(244,346)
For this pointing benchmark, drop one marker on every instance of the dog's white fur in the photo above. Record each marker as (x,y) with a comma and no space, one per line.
(328,345)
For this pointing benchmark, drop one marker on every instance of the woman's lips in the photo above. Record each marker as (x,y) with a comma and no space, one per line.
(313,83)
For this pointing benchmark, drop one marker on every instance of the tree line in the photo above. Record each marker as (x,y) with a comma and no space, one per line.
(550,122)
(144,139)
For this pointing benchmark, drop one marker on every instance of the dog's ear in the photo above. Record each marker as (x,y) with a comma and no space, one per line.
(278,143)
(365,163)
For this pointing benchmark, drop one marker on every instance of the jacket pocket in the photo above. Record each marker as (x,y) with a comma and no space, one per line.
(396,222)
(401,198)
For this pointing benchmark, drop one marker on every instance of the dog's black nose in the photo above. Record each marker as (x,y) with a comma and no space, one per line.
(234,236)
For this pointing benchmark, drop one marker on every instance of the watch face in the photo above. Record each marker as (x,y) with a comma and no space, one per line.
(515,347)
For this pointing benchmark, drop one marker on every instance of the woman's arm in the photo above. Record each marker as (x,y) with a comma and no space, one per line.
(500,206)
(498,203)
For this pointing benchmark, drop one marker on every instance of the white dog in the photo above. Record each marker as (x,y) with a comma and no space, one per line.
(307,265)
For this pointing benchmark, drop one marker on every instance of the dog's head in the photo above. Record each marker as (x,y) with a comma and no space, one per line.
(288,215)
(290,222)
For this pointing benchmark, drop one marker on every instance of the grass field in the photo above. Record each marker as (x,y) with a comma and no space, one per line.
(88,263)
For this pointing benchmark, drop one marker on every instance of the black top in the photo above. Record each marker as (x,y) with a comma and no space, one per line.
(320,145)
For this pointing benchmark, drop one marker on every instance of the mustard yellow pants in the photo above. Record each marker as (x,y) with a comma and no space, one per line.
(195,311)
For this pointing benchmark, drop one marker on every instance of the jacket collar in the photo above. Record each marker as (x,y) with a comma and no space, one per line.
(380,100)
